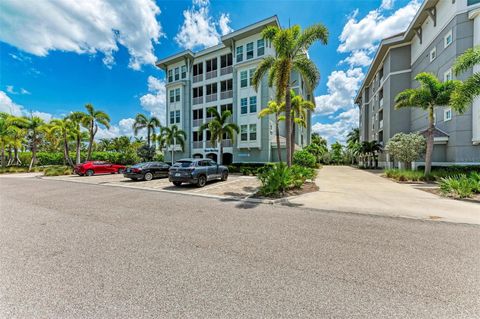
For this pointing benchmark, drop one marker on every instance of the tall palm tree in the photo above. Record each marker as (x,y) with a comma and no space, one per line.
(91,120)
(465,93)
(77,119)
(370,149)
(291,46)
(142,122)
(35,127)
(172,136)
(219,127)
(430,94)
(276,109)
(16,135)
(4,135)
(353,143)
(64,128)
(300,109)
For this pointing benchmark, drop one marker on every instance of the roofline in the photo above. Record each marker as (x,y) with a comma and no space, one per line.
(268,20)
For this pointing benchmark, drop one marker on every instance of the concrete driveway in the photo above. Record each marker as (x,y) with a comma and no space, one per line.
(348,189)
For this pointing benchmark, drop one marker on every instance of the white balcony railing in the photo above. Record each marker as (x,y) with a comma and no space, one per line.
(227,143)
(211,74)
(226,70)
(212,97)
(197,122)
(381,102)
(197,144)
(197,78)
(208,144)
(380,124)
(198,100)
(226,95)
(208,119)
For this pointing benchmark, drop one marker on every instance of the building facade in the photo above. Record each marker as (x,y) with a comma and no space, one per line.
(440,32)
(221,77)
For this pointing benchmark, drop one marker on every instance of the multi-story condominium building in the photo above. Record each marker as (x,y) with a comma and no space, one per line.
(439,33)
(221,77)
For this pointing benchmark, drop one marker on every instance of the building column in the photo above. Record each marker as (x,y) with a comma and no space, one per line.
(475,16)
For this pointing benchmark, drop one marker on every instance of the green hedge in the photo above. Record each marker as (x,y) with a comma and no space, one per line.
(45,158)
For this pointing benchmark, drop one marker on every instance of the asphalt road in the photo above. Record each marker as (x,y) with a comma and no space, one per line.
(70,250)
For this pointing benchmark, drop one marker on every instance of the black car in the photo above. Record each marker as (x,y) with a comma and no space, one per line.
(147,171)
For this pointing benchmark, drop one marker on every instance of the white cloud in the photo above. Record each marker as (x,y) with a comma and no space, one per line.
(47,117)
(387,4)
(155,101)
(23,91)
(84,27)
(338,130)
(358,58)
(199,29)
(8,106)
(11,90)
(123,127)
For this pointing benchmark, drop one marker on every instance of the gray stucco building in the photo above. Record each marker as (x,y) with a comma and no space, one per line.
(439,33)
(221,77)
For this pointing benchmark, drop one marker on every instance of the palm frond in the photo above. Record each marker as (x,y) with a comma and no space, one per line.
(308,70)
(467,60)
(316,32)
(261,70)
(465,93)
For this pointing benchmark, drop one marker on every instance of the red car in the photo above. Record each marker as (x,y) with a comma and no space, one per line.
(98,167)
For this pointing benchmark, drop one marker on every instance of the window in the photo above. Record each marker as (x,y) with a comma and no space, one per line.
(250,50)
(177,74)
(197,136)
(172,96)
(184,71)
(447,114)
(226,60)
(251,72)
(239,54)
(172,117)
(243,106)
(243,79)
(253,132)
(198,69)
(260,47)
(226,107)
(447,40)
(211,65)
(211,88)
(198,114)
(177,95)
(243,133)
(177,116)
(433,54)
(198,92)
(447,76)
(226,85)
(170,75)
(253,104)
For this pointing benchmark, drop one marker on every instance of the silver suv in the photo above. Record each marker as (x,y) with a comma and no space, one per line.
(196,171)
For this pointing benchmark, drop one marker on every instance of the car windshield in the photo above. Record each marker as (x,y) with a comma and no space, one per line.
(139,165)
(183,164)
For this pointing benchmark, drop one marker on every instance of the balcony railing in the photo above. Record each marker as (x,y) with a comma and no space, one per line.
(226,70)
(380,124)
(197,122)
(226,94)
(381,102)
(198,100)
(208,144)
(197,144)
(197,78)
(227,143)
(212,97)
(211,74)
(208,119)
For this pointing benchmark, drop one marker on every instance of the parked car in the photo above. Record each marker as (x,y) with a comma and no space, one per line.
(196,171)
(91,168)
(147,171)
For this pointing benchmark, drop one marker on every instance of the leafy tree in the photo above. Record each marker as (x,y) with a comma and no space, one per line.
(291,45)
(406,147)
(35,128)
(143,122)
(300,109)
(4,135)
(276,109)
(353,143)
(371,149)
(90,120)
(466,92)
(430,94)
(337,152)
(173,135)
(219,128)
(64,128)
(77,119)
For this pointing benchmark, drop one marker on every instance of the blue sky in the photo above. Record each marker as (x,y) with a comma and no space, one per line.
(54,58)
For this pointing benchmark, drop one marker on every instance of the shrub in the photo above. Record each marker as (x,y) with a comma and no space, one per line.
(459,186)
(300,174)
(405,175)
(57,170)
(304,158)
(279,178)
(406,148)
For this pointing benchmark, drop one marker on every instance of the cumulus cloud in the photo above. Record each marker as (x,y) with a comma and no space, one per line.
(154,102)
(358,58)
(47,117)
(123,127)
(387,4)
(200,29)
(339,129)
(84,27)
(10,107)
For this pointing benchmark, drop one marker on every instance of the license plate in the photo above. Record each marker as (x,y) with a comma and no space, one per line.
(178,174)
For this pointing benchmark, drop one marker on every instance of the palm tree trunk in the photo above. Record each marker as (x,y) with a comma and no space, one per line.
(3,154)
(277,133)
(77,154)
(292,145)
(173,149)
(66,151)
(288,107)
(34,154)
(220,160)
(429,152)
(10,157)
(148,138)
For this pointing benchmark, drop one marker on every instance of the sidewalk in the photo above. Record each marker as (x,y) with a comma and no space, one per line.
(348,189)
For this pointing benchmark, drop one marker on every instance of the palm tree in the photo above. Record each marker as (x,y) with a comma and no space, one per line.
(430,94)
(64,128)
(353,143)
(16,135)
(219,127)
(77,119)
(35,127)
(370,149)
(291,46)
(172,136)
(276,109)
(91,120)
(4,134)
(142,122)
(300,107)
(465,93)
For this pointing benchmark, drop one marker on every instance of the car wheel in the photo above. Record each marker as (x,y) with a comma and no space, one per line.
(120,171)
(148,176)
(89,172)
(202,180)
(177,183)
(224,176)
(80,174)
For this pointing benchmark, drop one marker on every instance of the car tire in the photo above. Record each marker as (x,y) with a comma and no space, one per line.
(80,174)
(89,172)
(224,176)
(148,176)
(120,171)
(202,181)
(177,183)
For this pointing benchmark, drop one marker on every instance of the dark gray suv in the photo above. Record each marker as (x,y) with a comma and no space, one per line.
(196,171)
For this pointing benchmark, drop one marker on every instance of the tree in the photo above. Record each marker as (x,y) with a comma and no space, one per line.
(467,91)
(320,141)
(430,94)
(142,122)
(337,151)
(406,148)
(77,119)
(173,135)
(91,120)
(300,109)
(291,45)
(219,127)
(16,135)
(353,143)
(35,127)
(64,128)
(276,109)
(4,135)
(370,150)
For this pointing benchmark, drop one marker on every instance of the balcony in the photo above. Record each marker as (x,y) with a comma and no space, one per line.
(381,102)
(197,122)
(209,119)
(197,144)
(227,143)
(226,70)
(198,100)
(211,97)
(208,144)
(211,74)
(226,95)
(380,124)
(197,78)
